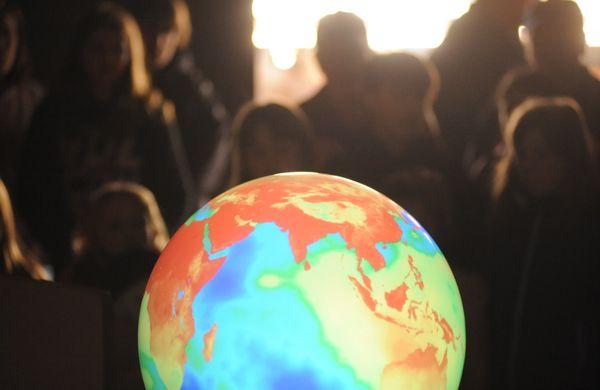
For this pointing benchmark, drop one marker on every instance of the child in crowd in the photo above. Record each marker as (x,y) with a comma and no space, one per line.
(543,255)
(106,123)
(269,139)
(167,30)
(16,260)
(122,235)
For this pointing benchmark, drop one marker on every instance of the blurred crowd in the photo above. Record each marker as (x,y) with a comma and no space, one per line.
(491,142)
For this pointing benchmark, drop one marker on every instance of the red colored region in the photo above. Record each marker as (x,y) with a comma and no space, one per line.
(183,266)
(364,293)
(209,343)
(397,298)
(307,265)
(416,273)
(269,201)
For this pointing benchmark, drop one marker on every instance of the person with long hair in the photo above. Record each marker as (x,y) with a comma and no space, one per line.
(106,123)
(19,92)
(16,259)
(544,245)
(122,235)
(167,30)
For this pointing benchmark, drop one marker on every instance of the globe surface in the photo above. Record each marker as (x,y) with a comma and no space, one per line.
(301,281)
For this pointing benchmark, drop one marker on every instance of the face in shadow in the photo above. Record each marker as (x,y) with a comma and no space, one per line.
(539,169)
(105,58)
(120,226)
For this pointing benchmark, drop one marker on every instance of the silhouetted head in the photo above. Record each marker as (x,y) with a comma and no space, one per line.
(108,56)
(557,36)
(399,92)
(549,150)
(509,12)
(342,47)
(166,27)
(269,139)
(123,217)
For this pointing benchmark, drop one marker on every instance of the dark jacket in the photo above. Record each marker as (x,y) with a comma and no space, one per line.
(473,58)
(543,269)
(74,146)
(202,118)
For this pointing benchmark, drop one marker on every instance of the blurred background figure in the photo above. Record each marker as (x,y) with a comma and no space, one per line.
(167,29)
(399,92)
(17,260)
(19,92)
(106,123)
(480,47)
(336,111)
(122,236)
(557,48)
(517,86)
(543,254)
(269,139)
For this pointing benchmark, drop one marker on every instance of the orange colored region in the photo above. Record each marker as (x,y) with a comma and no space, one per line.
(209,343)
(183,266)
(420,369)
(397,298)
(364,293)
(448,333)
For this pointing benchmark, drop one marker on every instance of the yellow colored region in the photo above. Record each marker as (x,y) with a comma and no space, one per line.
(348,324)
(269,281)
(370,342)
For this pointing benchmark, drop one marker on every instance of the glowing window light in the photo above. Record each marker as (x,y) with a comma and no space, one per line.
(284,26)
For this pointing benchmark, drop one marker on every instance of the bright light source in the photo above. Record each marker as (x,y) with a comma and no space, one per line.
(283,58)
(283,26)
(591,14)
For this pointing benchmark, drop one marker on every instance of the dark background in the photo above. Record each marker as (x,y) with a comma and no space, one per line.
(222,41)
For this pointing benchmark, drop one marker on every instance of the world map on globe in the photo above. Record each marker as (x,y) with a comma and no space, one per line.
(301,281)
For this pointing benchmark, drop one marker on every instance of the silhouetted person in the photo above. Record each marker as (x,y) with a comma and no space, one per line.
(545,240)
(517,86)
(15,259)
(167,29)
(122,236)
(480,47)
(558,44)
(399,92)
(335,111)
(269,139)
(106,123)
(19,93)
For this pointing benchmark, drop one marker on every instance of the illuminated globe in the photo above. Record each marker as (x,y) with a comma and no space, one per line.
(301,281)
